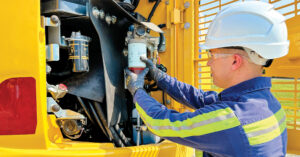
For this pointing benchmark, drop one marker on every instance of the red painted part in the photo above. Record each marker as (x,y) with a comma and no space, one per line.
(18,114)
(62,87)
(136,70)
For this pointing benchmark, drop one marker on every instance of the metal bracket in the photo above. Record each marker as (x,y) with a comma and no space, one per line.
(62,114)
(176,16)
(52,51)
(53,36)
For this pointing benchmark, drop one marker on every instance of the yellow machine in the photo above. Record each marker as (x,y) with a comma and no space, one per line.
(62,89)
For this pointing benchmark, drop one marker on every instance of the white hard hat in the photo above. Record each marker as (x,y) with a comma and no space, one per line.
(252,24)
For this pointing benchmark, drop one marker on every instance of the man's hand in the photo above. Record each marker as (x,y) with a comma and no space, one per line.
(135,81)
(155,73)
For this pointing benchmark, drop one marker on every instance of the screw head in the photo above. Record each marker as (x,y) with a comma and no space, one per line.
(95,12)
(108,19)
(125,52)
(187,25)
(113,19)
(54,19)
(55,108)
(168,102)
(102,14)
(187,5)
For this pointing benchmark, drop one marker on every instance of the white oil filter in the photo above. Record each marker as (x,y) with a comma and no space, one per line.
(136,49)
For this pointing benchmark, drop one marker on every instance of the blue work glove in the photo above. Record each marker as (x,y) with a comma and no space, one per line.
(155,73)
(135,81)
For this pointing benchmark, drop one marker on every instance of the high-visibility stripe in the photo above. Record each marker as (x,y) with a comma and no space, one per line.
(195,125)
(266,130)
(257,133)
(206,123)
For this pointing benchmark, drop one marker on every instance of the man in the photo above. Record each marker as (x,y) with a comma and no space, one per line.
(243,120)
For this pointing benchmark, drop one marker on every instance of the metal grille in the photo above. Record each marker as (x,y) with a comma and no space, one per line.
(286,90)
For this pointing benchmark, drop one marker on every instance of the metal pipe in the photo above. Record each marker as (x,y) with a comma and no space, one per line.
(138,129)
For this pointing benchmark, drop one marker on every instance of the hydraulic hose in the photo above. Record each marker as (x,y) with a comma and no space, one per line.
(102,118)
(97,119)
(153,10)
(111,131)
(85,109)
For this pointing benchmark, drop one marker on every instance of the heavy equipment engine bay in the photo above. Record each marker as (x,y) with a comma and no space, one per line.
(88,46)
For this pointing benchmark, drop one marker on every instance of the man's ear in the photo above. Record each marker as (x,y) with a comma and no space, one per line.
(237,62)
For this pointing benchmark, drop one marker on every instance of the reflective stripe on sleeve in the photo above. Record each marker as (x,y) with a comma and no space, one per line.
(201,124)
(267,129)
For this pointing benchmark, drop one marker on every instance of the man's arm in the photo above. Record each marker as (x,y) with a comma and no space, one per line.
(186,94)
(206,128)
(181,92)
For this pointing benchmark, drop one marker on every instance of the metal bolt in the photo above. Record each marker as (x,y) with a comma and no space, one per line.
(101,14)
(187,5)
(125,52)
(168,102)
(54,19)
(167,2)
(108,19)
(48,69)
(96,12)
(187,25)
(113,19)
(55,108)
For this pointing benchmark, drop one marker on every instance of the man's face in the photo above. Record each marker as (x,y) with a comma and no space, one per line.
(220,63)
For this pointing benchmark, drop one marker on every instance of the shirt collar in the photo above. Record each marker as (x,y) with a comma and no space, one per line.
(251,85)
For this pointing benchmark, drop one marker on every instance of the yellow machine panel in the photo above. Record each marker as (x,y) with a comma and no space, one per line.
(24,56)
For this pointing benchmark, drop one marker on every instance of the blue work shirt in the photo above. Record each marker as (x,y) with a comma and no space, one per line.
(245,120)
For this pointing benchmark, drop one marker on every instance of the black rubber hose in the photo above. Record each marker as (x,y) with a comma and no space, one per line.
(117,139)
(122,135)
(85,109)
(111,131)
(161,36)
(153,10)
(135,4)
(98,120)
(102,118)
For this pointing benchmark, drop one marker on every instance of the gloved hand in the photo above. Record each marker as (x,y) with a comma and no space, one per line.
(155,73)
(135,81)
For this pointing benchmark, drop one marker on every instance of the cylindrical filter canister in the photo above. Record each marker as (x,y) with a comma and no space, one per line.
(79,52)
(136,49)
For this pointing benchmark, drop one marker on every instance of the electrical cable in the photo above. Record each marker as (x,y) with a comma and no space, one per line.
(135,4)
(153,10)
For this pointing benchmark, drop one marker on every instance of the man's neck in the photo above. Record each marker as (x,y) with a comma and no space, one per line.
(242,77)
